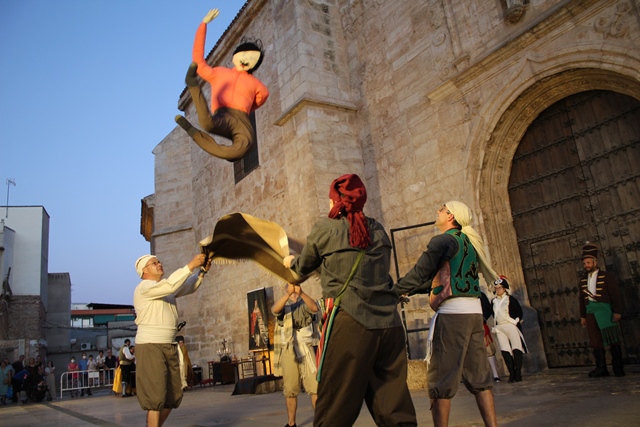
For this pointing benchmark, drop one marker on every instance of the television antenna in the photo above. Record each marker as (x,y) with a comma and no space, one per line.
(10,182)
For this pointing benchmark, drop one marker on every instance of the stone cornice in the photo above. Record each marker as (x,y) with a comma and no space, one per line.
(307,100)
(170,230)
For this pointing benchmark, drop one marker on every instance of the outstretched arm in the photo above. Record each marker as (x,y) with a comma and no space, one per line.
(210,16)
(197,55)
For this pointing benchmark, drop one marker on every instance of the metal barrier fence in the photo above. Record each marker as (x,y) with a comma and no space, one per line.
(80,381)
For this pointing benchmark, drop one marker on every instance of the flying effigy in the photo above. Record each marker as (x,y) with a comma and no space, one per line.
(235,93)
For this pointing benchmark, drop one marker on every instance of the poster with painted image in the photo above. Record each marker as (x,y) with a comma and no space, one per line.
(258,320)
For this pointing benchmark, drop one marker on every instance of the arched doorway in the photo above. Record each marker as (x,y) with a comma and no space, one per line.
(575,177)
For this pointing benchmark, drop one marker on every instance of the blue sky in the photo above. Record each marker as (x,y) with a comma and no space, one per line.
(88,88)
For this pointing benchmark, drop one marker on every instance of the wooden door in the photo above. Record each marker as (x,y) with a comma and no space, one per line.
(576,178)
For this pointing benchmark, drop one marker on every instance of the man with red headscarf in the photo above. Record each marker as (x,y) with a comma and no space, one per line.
(365,357)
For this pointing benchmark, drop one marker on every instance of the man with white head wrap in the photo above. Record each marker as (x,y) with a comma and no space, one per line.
(448,270)
(158,382)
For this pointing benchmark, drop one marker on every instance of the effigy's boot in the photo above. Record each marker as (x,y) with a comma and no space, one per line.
(191,79)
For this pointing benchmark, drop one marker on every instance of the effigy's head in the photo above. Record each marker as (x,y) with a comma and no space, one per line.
(248,55)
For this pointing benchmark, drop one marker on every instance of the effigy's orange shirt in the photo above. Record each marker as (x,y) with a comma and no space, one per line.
(229,87)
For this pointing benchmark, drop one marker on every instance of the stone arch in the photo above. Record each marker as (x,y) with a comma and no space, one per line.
(504,140)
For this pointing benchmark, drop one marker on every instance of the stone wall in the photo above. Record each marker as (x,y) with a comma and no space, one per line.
(26,317)
(427,101)
(25,332)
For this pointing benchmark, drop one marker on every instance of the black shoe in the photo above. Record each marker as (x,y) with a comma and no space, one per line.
(191,79)
(599,372)
(184,124)
(496,380)
(287,425)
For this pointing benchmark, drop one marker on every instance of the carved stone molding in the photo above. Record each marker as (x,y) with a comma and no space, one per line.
(537,30)
(514,13)
(500,148)
(612,24)
(308,100)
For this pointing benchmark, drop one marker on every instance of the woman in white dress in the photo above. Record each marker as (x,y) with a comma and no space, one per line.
(50,378)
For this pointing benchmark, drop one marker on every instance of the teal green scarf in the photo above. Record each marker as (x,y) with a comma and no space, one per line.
(610,330)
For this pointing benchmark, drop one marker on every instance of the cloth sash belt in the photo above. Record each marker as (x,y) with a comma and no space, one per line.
(155,334)
(459,305)
(183,368)
(301,346)
(610,330)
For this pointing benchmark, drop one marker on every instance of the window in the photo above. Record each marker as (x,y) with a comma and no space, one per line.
(82,322)
(250,161)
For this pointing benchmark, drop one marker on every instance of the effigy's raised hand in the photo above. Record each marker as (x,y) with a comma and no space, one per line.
(210,16)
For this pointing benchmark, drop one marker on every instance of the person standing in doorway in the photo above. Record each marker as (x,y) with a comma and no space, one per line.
(600,308)
(507,314)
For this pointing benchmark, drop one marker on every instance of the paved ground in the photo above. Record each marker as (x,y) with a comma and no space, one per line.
(558,397)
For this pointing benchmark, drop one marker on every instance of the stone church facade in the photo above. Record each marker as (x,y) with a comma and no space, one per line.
(496,103)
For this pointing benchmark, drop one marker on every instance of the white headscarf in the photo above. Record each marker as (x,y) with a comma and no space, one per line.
(141,263)
(463,216)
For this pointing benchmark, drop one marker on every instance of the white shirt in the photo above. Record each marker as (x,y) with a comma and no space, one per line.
(127,353)
(155,304)
(501,310)
(592,281)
